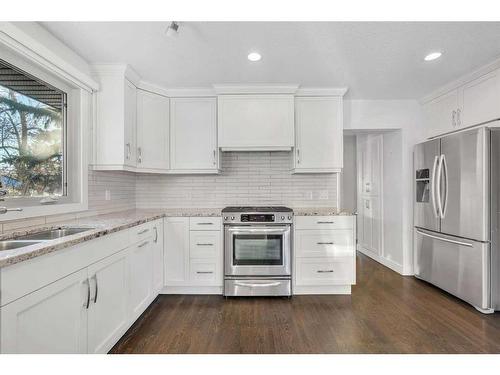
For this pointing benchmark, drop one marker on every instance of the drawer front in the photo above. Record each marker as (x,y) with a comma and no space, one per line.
(205,244)
(324,222)
(325,271)
(205,272)
(205,223)
(141,232)
(324,243)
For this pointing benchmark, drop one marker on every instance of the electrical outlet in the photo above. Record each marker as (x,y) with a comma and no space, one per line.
(323,194)
(107,195)
(309,195)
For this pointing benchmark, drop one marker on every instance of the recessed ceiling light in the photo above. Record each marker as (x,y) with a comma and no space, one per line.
(432,56)
(172,29)
(254,56)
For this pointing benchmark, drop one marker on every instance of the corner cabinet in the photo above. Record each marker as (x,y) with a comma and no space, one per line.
(318,135)
(193,135)
(472,103)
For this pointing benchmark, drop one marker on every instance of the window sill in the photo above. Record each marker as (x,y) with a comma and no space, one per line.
(41,210)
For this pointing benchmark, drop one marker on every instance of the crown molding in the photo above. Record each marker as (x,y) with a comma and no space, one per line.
(321,91)
(237,89)
(116,70)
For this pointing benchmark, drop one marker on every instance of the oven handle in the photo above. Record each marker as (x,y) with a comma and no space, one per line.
(253,285)
(241,230)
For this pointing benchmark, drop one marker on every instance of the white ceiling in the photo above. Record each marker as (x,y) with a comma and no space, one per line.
(376,60)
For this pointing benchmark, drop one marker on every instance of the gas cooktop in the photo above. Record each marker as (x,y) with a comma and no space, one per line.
(244,209)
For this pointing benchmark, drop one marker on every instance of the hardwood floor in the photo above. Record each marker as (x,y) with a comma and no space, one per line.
(386,313)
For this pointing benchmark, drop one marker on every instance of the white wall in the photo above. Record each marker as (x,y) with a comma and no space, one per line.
(405,115)
(348,188)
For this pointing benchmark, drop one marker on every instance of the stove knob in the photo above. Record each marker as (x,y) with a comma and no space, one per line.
(225,217)
(282,218)
(232,217)
(289,218)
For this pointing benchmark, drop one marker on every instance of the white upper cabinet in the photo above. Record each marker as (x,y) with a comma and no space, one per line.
(193,135)
(153,123)
(256,122)
(471,103)
(116,118)
(318,129)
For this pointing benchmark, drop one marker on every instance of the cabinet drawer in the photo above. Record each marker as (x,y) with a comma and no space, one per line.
(324,222)
(324,243)
(325,271)
(204,244)
(141,232)
(205,272)
(205,223)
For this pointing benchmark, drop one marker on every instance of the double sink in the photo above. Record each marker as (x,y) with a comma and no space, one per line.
(34,238)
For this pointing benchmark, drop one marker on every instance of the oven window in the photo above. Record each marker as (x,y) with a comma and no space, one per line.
(257,249)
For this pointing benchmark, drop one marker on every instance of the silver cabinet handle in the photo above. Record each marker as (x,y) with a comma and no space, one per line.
(325,243)
(298,156)
(204,244)
(87,304)
(156,234)
(139,154)
(444,239)
(324,271)
(459,122)
(205,224)
(215,159)
(204,272)
(143,231)
(453,118)
(96,288)
(143,244)
(326,222)
(128,151)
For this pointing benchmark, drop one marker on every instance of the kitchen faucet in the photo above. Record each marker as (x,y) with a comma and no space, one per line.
(3,193)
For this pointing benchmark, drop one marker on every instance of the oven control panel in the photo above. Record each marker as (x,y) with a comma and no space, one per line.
(243,218)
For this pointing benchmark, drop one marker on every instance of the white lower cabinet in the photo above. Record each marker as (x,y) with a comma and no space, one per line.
(108,315)
(87,311)
(52,319)
(324,254)
(193,255)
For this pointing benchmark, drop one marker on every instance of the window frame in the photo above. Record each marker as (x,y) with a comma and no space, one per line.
(78,113)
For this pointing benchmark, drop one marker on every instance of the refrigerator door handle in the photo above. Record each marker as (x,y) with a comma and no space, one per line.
(433,189)
(438,187)
(444,239)
(445,198)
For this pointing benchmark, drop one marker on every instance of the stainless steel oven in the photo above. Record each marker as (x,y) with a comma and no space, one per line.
(257,251)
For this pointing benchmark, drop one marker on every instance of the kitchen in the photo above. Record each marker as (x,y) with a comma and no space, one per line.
(184,197)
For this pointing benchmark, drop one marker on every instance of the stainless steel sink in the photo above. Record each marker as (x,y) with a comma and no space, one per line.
(53,234)
(14,244)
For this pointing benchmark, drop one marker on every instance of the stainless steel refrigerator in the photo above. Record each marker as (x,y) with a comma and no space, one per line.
(456,212)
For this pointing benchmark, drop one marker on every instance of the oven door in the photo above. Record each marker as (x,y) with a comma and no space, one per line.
(257,250)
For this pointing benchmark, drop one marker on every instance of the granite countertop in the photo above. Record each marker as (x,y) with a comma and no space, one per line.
(321,211)
(101,225)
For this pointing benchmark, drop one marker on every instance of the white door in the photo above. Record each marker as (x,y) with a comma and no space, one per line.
(50,320)
(480,100)
(176,239)
(158,261)
(130,124)
(318,130)
(108,313)
(441,114)
(152,131)
(141,277)
(193,134)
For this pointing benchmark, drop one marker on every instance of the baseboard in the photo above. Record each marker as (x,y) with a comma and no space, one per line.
(322,289)
(191,290)
(386,262)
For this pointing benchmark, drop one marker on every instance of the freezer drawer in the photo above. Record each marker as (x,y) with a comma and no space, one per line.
(459,266)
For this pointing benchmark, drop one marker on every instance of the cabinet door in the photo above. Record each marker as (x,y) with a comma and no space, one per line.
(480,100)
(193,142)
(51,320)
(158,260)
(141,277)
(152,131)
(369,154)
(108,315)
(130,123)
(441,114)
(318,129)
(176,240)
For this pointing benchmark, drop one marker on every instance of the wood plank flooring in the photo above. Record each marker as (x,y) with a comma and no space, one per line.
(386,313)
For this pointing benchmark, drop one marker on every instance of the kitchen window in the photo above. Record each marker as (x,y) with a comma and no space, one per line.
(32,135)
